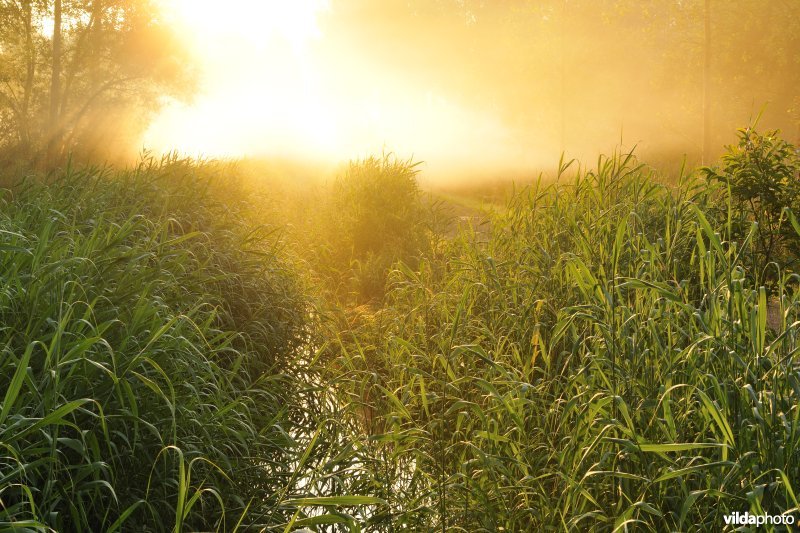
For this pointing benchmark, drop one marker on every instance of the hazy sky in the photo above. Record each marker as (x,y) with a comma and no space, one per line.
(475,86)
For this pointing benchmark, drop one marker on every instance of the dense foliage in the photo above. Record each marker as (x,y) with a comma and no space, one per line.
(82,77)
(604,360)
(145,331)
(762,173)
(373,217)
(606,357)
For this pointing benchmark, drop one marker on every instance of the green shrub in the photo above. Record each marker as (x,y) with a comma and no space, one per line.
(375,218)
(762,174)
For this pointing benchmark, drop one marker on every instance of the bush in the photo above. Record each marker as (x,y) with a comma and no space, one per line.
(762,173)
(376,217)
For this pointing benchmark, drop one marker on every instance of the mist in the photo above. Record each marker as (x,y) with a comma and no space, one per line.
(317,265)
(485,89)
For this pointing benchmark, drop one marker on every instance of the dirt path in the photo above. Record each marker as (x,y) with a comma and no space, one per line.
(464,212)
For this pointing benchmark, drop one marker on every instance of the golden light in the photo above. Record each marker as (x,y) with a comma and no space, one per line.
(256,76)
(272,83)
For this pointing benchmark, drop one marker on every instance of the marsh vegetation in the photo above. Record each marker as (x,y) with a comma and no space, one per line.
(183,349)
(228,332)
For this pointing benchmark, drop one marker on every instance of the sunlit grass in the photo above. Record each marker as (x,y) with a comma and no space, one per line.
(181,349)
(150,342)
(603,362)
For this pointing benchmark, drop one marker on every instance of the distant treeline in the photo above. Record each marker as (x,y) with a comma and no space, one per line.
(86,76)
(578,74)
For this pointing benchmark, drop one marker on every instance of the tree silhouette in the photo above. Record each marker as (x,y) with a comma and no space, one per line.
(82,76)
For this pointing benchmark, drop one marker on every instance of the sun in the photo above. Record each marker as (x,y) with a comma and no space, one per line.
(273,83)
(256,70)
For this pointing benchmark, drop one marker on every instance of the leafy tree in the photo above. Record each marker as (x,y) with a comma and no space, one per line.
(82,76)
(762,173)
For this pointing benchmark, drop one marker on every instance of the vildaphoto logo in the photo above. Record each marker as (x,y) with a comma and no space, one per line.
(747,519)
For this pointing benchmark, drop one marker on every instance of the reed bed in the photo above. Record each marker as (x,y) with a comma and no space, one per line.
(177,355)
(153,348)
(604,362)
